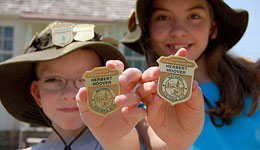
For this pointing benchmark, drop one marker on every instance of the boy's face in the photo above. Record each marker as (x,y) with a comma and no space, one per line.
(176,24)
(60,104)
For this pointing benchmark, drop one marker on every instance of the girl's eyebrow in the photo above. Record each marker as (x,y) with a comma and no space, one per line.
(190,9)
(158,9)
(197,7)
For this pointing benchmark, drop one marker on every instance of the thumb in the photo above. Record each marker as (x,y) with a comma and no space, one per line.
(182,52)
(81,99)
(196,101)
(133,115)
(154,107)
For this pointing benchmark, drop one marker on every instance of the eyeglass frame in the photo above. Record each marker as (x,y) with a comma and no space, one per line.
(64,82)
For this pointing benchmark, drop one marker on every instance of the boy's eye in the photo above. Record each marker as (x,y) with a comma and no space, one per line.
(80,82)
(52,80)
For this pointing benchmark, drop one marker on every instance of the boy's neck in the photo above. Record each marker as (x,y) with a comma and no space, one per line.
(201,73)
(66,134)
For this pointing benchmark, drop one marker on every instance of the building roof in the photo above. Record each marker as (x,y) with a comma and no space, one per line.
(91,10)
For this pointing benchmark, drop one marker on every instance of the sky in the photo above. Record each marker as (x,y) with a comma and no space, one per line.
(248,45)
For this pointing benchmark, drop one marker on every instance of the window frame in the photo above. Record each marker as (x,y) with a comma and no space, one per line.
(5,52)
(132,57)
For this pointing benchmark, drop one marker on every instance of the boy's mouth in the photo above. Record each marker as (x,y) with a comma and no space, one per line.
(72,109)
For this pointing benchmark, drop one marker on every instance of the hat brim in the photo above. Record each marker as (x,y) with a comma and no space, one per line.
(232,24)
(17,74)
(131,39)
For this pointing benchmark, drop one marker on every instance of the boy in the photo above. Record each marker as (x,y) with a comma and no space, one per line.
(40,87)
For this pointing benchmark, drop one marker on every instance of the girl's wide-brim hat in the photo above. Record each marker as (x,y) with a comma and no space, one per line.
(232,24)
(57,40)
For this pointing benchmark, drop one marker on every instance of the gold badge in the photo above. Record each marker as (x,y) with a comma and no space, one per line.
(176,78)
(102,88)
(62,34)
(84,32)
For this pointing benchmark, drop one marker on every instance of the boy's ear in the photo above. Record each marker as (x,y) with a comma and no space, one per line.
(213,30)
(36,92)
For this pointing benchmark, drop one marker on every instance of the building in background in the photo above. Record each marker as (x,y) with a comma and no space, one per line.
(21,19)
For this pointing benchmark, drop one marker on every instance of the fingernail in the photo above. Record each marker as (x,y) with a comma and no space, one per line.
(119,100)
(125,110)
(195,86)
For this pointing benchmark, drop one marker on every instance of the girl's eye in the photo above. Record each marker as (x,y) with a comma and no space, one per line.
(194,16)
(162,18)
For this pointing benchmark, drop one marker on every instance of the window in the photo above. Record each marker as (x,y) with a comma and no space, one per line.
(135,60)
(6,42)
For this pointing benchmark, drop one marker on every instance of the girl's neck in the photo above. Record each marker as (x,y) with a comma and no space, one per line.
(66,134)
(201,73)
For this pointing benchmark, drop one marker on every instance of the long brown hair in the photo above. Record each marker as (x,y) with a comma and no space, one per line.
(235,77)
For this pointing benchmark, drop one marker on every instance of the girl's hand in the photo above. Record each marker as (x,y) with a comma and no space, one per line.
(178,125)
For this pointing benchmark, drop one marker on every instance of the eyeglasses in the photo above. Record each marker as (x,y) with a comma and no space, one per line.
(57,83)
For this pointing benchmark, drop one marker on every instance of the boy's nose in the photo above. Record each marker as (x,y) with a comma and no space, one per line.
(69,92)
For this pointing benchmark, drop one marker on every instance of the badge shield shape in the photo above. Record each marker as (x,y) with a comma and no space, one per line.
(62,34)
(176,78)
(84,32)
(102,87)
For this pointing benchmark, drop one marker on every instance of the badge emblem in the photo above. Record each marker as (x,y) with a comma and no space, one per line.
(62,34)
(102,88)
(176,78)
(84,32)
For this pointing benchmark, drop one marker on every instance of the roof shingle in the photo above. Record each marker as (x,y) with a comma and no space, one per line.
(110,9)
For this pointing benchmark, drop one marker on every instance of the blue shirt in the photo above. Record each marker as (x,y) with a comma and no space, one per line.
(242,134)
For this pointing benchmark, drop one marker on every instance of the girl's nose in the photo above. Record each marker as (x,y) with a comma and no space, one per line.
(177,29)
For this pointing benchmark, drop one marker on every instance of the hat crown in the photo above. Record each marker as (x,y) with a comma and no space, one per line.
(60,34)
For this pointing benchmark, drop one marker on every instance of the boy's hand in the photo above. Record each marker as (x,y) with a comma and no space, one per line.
(111,129)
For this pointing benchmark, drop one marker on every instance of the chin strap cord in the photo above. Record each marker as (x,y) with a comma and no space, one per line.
(67,147)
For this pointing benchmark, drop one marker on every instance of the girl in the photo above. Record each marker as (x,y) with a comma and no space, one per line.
(206,29)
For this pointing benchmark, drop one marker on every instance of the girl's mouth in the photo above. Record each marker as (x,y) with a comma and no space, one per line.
(174,47)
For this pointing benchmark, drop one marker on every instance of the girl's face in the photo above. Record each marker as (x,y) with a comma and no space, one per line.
(60,104)
(176,24)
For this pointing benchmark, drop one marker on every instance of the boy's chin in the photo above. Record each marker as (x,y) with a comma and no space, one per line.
(70,125)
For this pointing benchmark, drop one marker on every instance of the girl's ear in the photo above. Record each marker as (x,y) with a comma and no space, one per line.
(36,92)
(213,31)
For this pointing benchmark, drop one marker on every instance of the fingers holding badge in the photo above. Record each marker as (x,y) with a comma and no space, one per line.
(98,109)
(176,78)
(102,86)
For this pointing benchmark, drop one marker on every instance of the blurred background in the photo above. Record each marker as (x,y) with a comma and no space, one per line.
(21,19)
(248,46)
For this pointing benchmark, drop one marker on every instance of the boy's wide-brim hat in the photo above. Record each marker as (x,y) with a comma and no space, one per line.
(17,73)
(232,24)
